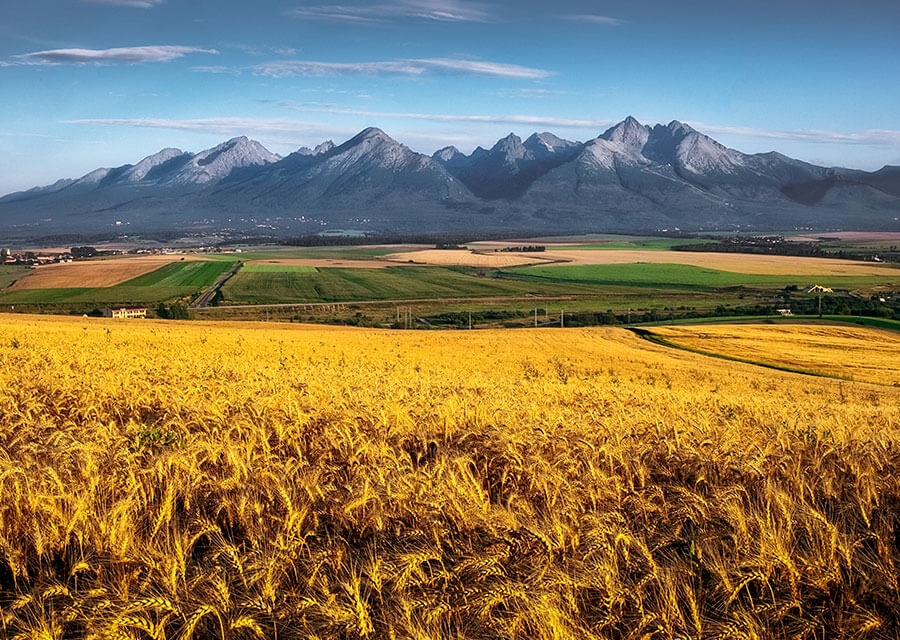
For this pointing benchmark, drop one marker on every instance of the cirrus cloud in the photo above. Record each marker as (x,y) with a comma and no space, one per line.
(875,137)
(140,4)
(126,55)
(413,67)
(430,10)
(594,19)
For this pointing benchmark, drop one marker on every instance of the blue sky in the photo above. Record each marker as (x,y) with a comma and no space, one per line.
(97,83)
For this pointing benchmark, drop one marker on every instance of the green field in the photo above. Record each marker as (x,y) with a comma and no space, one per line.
(175,280)
(620,282)
(180,274)
(9,275)
(678,276)
(392,283)
(278,268)
(120,294)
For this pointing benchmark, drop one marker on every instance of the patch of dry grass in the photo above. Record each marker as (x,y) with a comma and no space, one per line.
(465,258)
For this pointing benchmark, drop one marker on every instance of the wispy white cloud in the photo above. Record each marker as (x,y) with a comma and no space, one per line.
(594,19)
(216,69)
(127,55)
(539,121)
(875,137)
(141,4)
(233,126)
(414,67)
(224,126)
(530,93)
(431,10)
(287,133)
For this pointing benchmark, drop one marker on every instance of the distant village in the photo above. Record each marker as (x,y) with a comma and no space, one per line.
(39,257)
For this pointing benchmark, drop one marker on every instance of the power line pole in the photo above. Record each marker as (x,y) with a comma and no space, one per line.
(535,317)
(470,320)
(562,318)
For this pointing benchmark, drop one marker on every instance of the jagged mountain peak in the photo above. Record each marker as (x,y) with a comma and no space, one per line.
(239,145)
(680,129)
(216,163)
(629,133)
(510,146)
(368,140)
(371,133)
(547,142)
(447,154)
(145,167)
(323,147)
(163,154)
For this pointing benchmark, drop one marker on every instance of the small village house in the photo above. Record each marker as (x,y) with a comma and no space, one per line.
(125,312)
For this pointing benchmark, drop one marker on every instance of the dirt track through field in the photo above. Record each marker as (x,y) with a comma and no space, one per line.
(94,273)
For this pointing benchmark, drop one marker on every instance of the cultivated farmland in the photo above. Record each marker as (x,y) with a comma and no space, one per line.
(174,280)
(671,275)
(734,262)
(94,273)
(184,481)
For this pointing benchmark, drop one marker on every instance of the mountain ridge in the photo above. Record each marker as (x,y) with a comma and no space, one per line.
(631,177)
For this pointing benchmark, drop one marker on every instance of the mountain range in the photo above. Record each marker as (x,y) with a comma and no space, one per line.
(631,178)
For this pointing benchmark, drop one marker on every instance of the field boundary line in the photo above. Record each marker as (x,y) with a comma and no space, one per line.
(203,300)
(409,301)
(649,336)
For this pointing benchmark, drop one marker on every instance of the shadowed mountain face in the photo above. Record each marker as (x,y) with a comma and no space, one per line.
(632,177)
(509,168)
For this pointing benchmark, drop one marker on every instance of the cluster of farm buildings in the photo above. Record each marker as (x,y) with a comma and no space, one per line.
(7,257)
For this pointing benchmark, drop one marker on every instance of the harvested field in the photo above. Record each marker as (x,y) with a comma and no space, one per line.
(864,355)
(323,263)
(460,258)
(94,273)
(734,262)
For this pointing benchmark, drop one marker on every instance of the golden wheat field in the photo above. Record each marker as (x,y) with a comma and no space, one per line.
(865,355)
(187,480)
